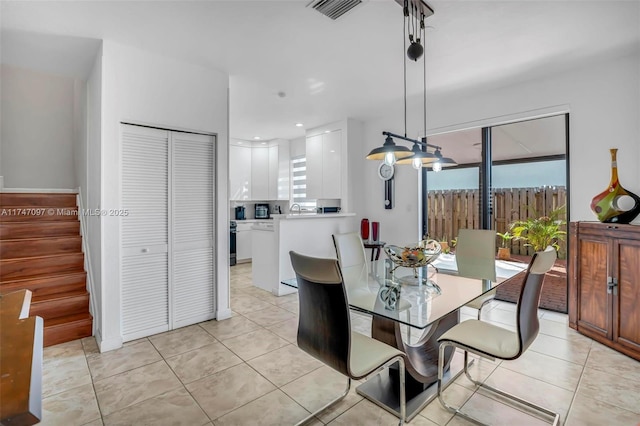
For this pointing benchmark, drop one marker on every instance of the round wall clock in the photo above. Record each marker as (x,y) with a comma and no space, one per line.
(385,171)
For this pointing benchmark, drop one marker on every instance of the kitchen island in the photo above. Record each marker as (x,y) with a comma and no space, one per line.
(305,233)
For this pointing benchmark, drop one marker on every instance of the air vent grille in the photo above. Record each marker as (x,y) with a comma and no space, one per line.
(334,8)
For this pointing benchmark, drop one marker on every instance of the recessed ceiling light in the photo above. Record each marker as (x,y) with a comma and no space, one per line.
(299,124)
(327,131)
(256,137)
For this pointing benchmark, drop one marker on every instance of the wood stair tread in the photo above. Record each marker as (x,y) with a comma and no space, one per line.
(36,239)
(68,319)
(34,258)
(58,296)
(51,276)
(37,199)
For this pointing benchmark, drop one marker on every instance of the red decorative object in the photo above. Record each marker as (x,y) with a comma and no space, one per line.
(364,229)
(375,227)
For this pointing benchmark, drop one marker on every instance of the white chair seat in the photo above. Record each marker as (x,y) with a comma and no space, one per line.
(484,337)
(367,354)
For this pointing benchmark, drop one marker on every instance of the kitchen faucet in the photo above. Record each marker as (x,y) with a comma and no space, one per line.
(292,207)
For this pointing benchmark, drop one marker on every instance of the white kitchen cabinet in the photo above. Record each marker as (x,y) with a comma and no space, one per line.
(324,165)
(332,165)
(240,172)
(273,173)
(244,244)
(260,173)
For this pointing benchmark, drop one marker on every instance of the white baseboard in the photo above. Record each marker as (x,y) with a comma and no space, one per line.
(223,314)
(108,344)
(40,190)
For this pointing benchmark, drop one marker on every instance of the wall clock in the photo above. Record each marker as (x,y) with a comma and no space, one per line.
(385,172)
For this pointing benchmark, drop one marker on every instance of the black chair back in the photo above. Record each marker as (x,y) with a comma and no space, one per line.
(324,329)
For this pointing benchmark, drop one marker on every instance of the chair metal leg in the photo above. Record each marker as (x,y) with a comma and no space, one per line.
(403,397)
(324,407)
(482,306)
(441,389)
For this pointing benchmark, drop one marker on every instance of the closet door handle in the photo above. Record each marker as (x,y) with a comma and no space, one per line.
(145,250)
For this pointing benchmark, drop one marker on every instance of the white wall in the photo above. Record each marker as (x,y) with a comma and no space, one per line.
(89,181)
(604,105)
(144,88)
(37,129)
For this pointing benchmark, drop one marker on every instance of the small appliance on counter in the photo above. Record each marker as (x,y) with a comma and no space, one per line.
(262,211)
(328,210)
(240,213)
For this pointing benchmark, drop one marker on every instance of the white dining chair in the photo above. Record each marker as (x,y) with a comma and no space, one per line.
(476,258)
(491,341)
(354,267)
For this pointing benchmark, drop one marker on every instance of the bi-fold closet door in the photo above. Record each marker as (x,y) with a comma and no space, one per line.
(167,263)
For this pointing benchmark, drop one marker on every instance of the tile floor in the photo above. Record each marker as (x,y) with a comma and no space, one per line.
(248,371)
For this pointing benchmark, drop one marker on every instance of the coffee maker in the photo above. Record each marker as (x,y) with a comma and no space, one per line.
(240,213)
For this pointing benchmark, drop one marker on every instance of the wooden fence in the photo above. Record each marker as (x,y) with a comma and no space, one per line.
(452,210)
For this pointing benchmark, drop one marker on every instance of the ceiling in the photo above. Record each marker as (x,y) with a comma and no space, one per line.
(288,63)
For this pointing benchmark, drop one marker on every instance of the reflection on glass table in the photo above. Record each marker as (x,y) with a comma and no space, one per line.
(378,290)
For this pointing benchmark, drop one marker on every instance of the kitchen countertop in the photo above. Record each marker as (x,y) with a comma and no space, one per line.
(310,215)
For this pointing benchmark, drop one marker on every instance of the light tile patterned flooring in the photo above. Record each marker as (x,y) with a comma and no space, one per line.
(248,371)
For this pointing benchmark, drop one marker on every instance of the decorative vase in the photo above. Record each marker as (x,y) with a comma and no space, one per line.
(364,229)
(375,231)
(605,204)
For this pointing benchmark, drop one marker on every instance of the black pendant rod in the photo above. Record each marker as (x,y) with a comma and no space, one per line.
(422,143)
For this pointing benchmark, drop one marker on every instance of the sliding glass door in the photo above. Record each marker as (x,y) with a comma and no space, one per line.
(508,178)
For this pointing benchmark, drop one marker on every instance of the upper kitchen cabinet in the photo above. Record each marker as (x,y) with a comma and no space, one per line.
(324,165)
(239,172)
(332,160)
(259,172)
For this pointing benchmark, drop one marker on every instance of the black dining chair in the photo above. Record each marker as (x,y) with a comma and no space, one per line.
(324,328)
(491,342)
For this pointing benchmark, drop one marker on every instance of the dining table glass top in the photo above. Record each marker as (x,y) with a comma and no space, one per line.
(417,297)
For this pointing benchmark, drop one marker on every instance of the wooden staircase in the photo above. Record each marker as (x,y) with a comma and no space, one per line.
(41,250)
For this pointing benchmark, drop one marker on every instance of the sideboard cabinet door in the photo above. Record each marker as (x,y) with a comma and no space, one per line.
(604,284)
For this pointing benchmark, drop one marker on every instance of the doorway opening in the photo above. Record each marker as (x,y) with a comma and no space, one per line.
(507,175)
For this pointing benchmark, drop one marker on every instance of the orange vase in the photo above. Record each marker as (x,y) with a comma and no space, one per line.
(605,204)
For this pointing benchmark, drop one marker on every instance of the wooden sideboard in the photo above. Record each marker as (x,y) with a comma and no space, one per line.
(604,284)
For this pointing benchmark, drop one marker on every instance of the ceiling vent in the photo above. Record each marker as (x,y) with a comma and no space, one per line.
(334,8)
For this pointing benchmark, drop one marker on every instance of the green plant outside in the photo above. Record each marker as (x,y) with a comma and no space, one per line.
(505,238)
(543,231)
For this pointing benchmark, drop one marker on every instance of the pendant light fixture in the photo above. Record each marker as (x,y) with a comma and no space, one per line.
(415,12)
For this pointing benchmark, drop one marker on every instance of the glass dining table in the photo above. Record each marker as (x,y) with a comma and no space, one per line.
(427,300)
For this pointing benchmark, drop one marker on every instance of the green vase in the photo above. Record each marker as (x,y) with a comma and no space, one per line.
(605,204)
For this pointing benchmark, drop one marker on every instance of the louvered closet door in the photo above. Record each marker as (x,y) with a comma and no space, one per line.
(192,228)
(145,231)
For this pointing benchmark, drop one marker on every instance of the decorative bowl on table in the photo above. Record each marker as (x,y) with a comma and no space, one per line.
(414,256)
